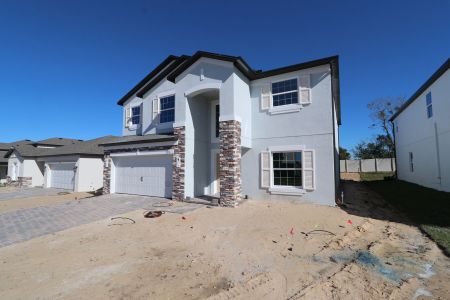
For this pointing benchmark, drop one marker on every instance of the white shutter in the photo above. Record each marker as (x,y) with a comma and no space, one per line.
(308,170)
(265,97)
(127,117)
(155,109)
(304,89)
(265,169)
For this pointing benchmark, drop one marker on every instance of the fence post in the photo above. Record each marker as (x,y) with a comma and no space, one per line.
(376,167)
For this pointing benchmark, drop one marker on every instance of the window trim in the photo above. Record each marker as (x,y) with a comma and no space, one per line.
(287,108)
(139,115)
(282,93)
(132,126)
(285,189)
(161,110)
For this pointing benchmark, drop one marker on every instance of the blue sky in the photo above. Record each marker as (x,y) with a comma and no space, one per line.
(64,64)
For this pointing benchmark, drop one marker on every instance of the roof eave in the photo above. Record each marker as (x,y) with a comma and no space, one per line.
(149,76)
(165,139)
(436,75)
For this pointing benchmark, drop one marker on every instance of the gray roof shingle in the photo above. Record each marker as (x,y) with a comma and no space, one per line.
(72,147)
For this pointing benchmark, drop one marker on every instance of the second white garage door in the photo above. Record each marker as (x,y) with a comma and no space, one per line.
(144,175)
(62,175)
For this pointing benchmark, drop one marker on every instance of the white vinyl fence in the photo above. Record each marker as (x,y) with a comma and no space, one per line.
(368,165)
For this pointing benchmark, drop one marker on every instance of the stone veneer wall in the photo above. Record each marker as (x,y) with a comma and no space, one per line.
(178,167)
(107,174)
(230,162)
(20,182)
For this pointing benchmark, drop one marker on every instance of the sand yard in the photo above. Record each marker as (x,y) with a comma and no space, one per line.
(256,251)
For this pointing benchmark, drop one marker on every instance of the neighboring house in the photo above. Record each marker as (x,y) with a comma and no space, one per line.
(422,133)
(210,125)
(77,167)
(4,147)
(23,167)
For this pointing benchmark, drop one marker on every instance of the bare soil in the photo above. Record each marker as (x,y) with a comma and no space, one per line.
(255,251)
(21,203)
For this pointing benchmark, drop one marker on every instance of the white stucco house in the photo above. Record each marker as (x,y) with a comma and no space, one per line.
(69,164)
(422,133)
(4,148)
(211,125)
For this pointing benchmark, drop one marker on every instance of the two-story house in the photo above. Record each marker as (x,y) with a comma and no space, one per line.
(422,133)
(210,125)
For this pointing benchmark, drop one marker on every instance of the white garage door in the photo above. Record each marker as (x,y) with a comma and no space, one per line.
(62,175)
(144,175)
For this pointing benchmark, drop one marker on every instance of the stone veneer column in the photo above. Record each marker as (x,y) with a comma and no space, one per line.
(230,163)
(178,164)
(107,174)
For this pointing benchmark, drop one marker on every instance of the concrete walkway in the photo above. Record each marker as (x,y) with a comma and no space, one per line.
(25,224)
(31,192)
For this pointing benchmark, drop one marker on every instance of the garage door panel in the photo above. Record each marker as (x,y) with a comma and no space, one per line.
(147,175)
(62,175)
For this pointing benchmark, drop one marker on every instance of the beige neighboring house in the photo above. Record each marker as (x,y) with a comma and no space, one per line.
(58,163)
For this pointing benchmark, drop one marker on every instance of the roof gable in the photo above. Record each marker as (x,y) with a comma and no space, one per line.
(183,62)
(436,75)
(152,74)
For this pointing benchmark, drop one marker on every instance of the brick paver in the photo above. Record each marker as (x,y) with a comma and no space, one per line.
(25,224)
(31,192)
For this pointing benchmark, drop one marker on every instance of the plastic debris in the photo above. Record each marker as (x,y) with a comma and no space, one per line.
(292,231)
(349,222)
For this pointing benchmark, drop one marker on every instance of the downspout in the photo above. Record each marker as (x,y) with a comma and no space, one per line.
(333,108)
(438,155)
(395,149)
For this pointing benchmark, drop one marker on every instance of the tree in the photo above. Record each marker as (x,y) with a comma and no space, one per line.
(379,148)
(381,111)
(343,153)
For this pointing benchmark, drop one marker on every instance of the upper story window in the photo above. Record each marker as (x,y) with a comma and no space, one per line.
(429,105)
(285,92)
(167,109)
(135,115)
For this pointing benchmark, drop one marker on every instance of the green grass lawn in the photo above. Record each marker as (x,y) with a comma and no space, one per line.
(372,176)
(428,208)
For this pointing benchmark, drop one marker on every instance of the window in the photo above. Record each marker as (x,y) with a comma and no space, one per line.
(167,109)
(429,105)
(135,115)
(287,168)
(217,119)
(285,92)
(411,162)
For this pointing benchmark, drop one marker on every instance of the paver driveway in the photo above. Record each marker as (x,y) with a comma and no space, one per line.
(25,224)
(31,192)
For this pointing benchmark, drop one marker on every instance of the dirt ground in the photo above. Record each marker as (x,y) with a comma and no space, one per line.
(6,189)
(255,251)
(15,204)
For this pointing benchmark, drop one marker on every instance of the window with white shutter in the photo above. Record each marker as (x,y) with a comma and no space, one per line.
(265,97)
(127,117)
(308,170)
(288,170)
(305,89)
(265,169)
(155,109)
(285,92)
